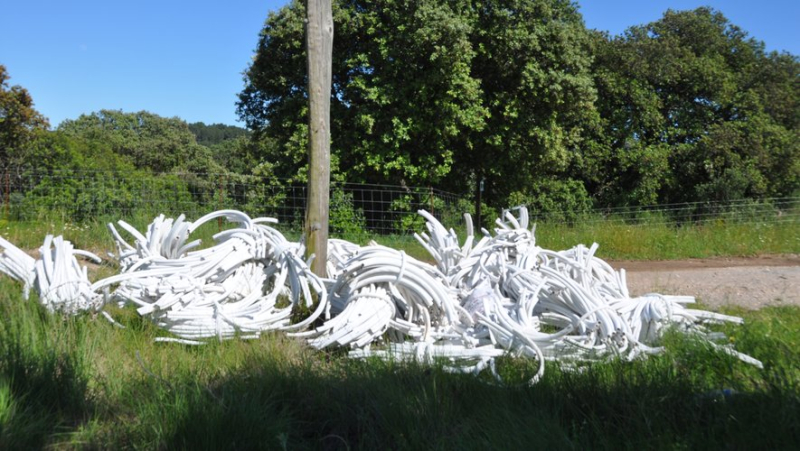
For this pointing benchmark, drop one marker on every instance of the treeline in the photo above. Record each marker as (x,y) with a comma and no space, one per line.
(107,161)
(209,135)
(520,94)
(112,163)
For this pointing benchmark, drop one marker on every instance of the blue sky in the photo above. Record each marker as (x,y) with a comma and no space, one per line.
(186,58)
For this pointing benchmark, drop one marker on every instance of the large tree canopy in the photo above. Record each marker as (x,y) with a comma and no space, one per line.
(693,109)
(424,90)
(19,121)
(514,92)
(532,61)
(152,142)
(519,93)
(402,91)
(212,134)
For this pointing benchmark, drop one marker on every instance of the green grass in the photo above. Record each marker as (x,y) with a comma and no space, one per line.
(645,241)
(83,383)
(658,241)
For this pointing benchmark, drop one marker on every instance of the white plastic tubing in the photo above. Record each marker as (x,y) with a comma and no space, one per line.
(499,295)
(62,284)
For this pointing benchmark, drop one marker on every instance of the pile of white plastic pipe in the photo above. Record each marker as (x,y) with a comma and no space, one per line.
(60,281)
(504,293)
(247,283)
(18,265)
(501,294)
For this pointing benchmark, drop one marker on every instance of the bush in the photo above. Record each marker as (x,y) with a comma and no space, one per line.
(345,219)
(554,200)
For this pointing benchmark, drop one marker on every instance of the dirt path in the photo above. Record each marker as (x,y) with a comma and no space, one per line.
(747,282)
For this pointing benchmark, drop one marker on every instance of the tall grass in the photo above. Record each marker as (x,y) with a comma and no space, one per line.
(654,239)
(84,383)
(44,372)
(664,241)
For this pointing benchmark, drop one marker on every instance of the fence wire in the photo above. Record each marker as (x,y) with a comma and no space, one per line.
(28,194)
(767,210)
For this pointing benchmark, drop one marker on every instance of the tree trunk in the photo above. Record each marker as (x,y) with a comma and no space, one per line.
(319,45)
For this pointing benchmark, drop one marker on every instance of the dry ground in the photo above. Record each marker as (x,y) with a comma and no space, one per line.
(747,282)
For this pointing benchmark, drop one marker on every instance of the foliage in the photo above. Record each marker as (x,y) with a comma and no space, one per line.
(112,161)
(519,94)
(247,156)
(19,121)
(403,93)
(532,60)
(346,220)
(428,92)
(152,142)
(84,179)
(690,113)
(435,92)
(258,194)
(556,200)
(407,221)
(211,134)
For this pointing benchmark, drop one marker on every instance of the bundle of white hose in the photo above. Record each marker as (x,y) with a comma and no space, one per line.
(503,294)
(498,322)
(442,244)
(580,264)
(571,290)
(419,290)
(584,318)
(646,317)
(18,265)
(165,238)
(214,311)
(457,357)
(513,233)
(594,318)
(467,266)
(247,283)
(366,317)
(339,252)
(62,283)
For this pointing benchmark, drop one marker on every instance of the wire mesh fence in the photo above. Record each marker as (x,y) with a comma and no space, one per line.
(769,210)
(28,194)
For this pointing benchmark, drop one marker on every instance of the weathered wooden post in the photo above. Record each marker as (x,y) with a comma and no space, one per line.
(319,47)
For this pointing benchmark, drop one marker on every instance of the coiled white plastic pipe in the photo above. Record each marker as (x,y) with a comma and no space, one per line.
(501,294)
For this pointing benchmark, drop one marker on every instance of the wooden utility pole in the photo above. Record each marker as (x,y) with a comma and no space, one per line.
(319,47)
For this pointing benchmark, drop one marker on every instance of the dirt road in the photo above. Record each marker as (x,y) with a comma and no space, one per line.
(747,282)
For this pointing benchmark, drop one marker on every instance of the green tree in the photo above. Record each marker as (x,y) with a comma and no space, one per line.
(518,92)
(243,155)
(402,89)
(19,121)
(209,135)
(152,142)
(693,109)
(81,179)
(532,60)
(432,92)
